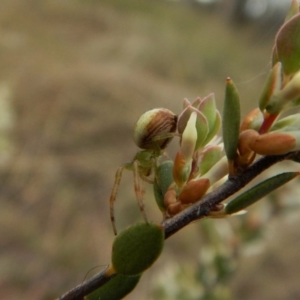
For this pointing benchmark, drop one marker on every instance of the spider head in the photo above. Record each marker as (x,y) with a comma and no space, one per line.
(145,161)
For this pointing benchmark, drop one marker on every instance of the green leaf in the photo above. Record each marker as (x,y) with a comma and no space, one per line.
(294,103)
(208,108)
(287,46)
(231,120)
(286,97)
(116,288)
(201,124)
(210,157)
(163,179)
(214,129)
(289,123)
(202,129)
(136,248)
(272,85)
(259,191)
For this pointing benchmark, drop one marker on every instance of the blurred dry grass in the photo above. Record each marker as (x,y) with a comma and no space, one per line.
(80,73)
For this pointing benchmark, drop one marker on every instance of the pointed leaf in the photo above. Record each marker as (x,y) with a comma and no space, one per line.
(197,102)
(214,130)
(231,120)
(287,46)
(208,108)
(290,123)
(185,116)
(189,137)
(163,179)
(210,157)
(201,124)
(186,103)
(294,103)
(202,130)
(272,85)
(284,97)
(259,191)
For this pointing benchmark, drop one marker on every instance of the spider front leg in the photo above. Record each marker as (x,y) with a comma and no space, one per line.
(139,191)
(113,196)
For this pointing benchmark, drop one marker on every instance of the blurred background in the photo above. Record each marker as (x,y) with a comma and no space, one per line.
(74,78)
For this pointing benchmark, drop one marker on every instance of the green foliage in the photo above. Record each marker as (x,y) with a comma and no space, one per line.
(258,191)
(162,181)
(231,120)
(287,46)
(272,85)
(210,157)
(136,248)
(116,288)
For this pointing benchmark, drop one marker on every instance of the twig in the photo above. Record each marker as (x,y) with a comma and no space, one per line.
(230,187)
(193,213)
(87,287)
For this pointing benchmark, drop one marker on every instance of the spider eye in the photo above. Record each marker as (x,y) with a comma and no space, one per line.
(155,128)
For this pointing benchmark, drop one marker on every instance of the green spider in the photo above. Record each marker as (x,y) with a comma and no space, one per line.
(152,133)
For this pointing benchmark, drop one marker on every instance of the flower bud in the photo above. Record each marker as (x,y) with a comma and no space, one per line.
(194,190)
(189,138)
(181,169)
(272,143)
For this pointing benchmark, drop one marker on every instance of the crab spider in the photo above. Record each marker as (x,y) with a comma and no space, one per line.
(152,133)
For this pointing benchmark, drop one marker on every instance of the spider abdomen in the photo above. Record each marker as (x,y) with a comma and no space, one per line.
(154,128)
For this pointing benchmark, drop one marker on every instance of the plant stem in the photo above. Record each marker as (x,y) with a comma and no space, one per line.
(87,287)
(231,186)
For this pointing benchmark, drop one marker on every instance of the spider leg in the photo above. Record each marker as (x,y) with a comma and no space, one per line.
(165,135)
(138,189)
(145,178)
(113,196)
